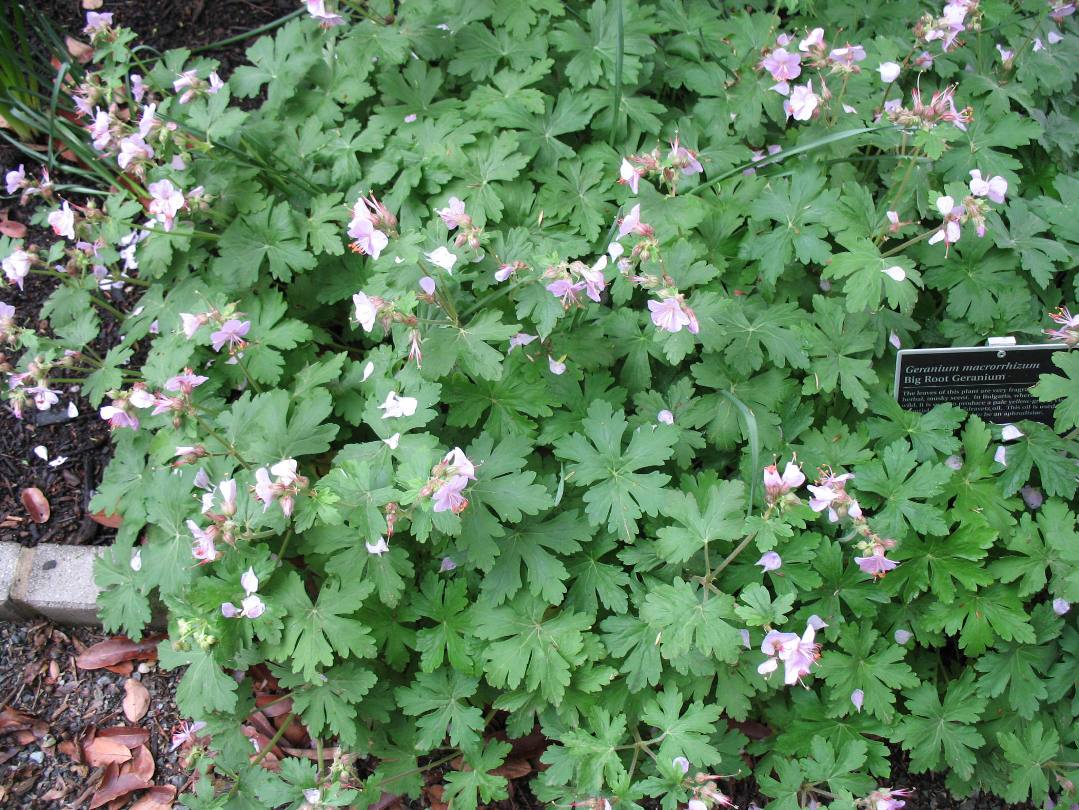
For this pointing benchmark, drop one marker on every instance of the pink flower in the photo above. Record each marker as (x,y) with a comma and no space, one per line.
(558,367)
(253,607)
(284,488)
(903,636)
(17,267)
(229,610)
(448,497)
(949,231)
(97,23)
(770,561)
(1001,456)
(410,118)
(166,202)
(447,564)
(776,485)
(566,290)
(594,280)
(186,382)
(876,564)
(815,39)
(521,339)
(631,223)
(682,764)
(670,315)
(15,180)
(665,417)
(187,734)
(803,102)
(1006,56)
(627,176)
(366,310)
(133,149)
(203,548)
(7,320)
(427,284)
(887,799)
(857,697)
(1069,327)
(994,188)
(459,463)
(214,82)
(99,130)
(1032,497)
(138,87)
(367,238)
(847,56)
(62,221)
(924,60)
(830,493)
(454,214)
(327,19)
(783,65)
(191,323)
(1061,606)
(231,332)
(797,654)
(119,416)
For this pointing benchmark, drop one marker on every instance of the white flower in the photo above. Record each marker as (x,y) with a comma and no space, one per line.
(252,606)
(393,441)
(889,72)
(366,310)
(17,266)
(249,581)
(378,548)
(442,257)
(396,406)
(895,272)
(556,366)
(368,370)
(1010,433)
(62,221)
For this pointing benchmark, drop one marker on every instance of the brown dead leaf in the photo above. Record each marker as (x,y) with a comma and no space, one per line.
(16,230)
(36,504)
(273,705)
(68,748)
(58,792)
(131,736)
(116,787)
(124,668)
(25,737)
(159,797)
(514,769)
(136,700)
(80,51)
(141,764)
(14,720)
(103,751)
(117,650)
(111,521)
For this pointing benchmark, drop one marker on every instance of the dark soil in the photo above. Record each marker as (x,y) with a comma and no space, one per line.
(167,24)
(40,679)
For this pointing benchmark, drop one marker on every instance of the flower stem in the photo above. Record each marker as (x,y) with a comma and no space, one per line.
(908,243)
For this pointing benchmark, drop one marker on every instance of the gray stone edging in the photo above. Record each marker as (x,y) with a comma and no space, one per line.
(49,580)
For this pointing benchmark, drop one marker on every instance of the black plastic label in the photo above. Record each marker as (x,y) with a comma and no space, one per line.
(993,382)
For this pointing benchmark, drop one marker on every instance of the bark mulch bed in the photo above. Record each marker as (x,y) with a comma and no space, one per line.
(51,710)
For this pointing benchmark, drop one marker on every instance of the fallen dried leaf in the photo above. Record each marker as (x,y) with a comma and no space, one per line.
(116,650)
(69,748)
(36,504)
(159,797)
(80,51)
(124,668)
(131,736)
(142,763)
(121,785)
(16,230)
(136,700)
(103,751)
(14,720)
(514,769)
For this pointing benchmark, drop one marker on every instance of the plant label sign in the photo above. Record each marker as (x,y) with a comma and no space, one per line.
(992,382)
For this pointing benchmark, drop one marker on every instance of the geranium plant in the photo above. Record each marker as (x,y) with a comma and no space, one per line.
(526,366)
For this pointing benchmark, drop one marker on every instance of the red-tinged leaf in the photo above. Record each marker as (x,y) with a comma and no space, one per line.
(103,751)
(159,797)
(136,700)
(125,668)
(36,504)
(270,708)
(111,521)
(115,650)
(131,736)
(121,785)
(16,230)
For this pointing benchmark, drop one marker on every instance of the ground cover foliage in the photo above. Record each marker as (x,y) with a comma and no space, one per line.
(490,346)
